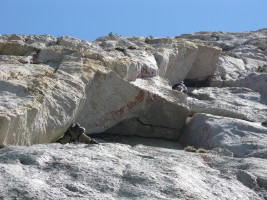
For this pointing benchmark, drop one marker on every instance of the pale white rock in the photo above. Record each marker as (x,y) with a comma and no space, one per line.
(68,41)
(107,104)
(16,43)
(15,59)
(228,41)
(241,137)
(10,37)
(242,54)
(30,112)
(163,119)
(175,57)
(127,68)
(205,63)
(41,40)
(232,68)
(116,171)
(54,54)
(254,81)
(43,100)
(137,40)
(235,102)
(175,63)
(123,42)
(147,62)
(109,44)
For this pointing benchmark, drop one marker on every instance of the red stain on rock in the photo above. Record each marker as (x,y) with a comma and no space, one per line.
(150,99)
(114,114)
(138,99)
(110,116)
(145,72)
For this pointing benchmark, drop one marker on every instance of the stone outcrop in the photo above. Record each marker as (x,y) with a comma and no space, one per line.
(234,102)
(241,137)
(118,171)
(121,88)
(49,83)
(205,63)
(163,116)
(242,54)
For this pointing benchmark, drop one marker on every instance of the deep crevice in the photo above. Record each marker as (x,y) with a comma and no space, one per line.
(150,125)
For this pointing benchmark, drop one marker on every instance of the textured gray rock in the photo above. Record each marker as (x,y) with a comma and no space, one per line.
(242,53)
(123,86)
(48,83)
(116,171)
(234,102)
(243,138)
(175,62)
(205,63)
(151,100)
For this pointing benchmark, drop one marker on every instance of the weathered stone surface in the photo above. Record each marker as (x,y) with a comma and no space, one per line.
(175,63)
(152,100)
(123,86)
(116,171)
(241,137)
(38,104)
(175,57)
(254,81)
(234,102)
(80,91)
(164,116)
(30,111)
(205,63)
(242,54)
(68,41)
(146,61)
(127,68)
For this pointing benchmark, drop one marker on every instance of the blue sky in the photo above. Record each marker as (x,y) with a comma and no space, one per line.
(89,19)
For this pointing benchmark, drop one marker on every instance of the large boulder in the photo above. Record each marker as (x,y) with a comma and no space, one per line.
(242,54)
(175,63)
(45,86)
(241,137)
(205,63)
(234,102)
(164,114)
(36,105)
(150,100)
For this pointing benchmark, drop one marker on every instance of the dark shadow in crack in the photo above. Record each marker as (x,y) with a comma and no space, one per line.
(138,140)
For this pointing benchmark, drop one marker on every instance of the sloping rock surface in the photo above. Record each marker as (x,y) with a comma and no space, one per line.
(234,102)
(47,83)
(243,138)
(123,86)
(116,171)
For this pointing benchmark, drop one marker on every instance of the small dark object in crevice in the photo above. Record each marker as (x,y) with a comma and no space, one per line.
(74,134)
(180,87)
(197,82)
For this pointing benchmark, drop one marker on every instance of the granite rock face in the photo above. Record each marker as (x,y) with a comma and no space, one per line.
(241,137)
(121,88)
(119,171)
(242,55)
(233,102)
(48,83)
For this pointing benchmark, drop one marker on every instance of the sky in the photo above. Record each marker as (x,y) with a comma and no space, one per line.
(90,19)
